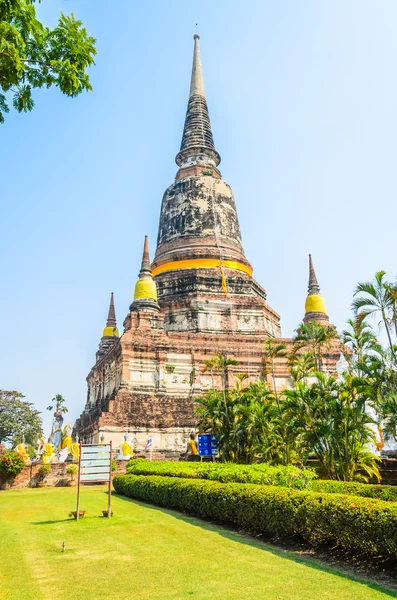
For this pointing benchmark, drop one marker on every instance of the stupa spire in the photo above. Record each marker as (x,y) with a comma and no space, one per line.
(313,288)
(145,266)
(145,294)
(111,324)
(197,146)
(315,309)
(197,80)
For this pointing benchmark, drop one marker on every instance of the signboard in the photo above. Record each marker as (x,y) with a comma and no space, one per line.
(207,444)
(95,466)
(95,463)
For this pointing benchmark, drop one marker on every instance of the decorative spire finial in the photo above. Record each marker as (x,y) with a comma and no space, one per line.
(145,266)
(197,146)
(315,309)
(197,81)
(145,294)
(111,324)
(313,288)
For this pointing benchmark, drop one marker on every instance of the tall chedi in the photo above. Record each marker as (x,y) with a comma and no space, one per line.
(197,299)
(203,278)
(315,304)
(110,333)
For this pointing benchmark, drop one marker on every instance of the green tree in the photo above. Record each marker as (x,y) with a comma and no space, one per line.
(375,300)
(331,418)
(58,405)
(361,342)
(271,353)
(35,56)
(315,337)
(249,429)
(302,365)
(19,420)
(392,294)
(222,363)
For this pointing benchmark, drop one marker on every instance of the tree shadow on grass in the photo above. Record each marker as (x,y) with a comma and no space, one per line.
(52,522)
(264,546)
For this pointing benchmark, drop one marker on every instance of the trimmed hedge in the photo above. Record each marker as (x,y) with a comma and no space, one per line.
(387,493)
(262,474)
(364,525)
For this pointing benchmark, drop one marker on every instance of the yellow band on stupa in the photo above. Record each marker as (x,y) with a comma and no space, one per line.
(110,332)
(201,263)
(315,303)
(145,288)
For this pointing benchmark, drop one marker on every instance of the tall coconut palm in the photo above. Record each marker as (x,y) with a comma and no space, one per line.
(301,365)
(375,301)
(222,363)
(392,293)
(209,365)
(271,352)
(330,417)
(315,336)
(361,341)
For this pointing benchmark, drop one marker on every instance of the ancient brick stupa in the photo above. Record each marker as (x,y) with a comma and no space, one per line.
(198,298)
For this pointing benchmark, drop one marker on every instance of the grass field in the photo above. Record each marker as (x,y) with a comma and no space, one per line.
(145,553)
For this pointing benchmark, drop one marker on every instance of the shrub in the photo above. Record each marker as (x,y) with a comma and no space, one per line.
(11,463)
(366,490)
(263,474)
(43,471)
(72,470)
(114,466)
(359,524)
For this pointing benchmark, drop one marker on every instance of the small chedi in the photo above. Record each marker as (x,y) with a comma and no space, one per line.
(198,298)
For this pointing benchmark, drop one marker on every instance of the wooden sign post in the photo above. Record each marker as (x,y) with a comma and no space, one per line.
(95,466)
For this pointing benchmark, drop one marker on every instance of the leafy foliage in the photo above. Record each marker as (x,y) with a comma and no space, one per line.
(34,56)
(330,419)
(19,420)
(11,463)
(58,405)
(43,471)
(359,524)
(387,493)
(263,474)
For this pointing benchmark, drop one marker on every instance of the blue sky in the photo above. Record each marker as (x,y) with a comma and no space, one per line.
(302,99)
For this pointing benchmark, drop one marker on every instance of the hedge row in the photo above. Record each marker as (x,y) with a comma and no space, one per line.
(387,493)
(262,474)
(363,525)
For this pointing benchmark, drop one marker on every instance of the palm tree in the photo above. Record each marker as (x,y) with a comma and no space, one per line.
(209,365)
(221,363)
(315,336)
(392,293)
(330,417)
(361,340)
(376,301)
(271,352)
(301,365)
(58,403)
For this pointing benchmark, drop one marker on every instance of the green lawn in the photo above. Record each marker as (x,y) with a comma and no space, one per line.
(145,553)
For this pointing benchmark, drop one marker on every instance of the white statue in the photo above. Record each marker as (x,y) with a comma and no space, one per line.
(126,451)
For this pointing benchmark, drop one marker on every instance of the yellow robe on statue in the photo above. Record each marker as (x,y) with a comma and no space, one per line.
(48,453)
(126,449)
(76,450)
(22,451)
(67,443)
